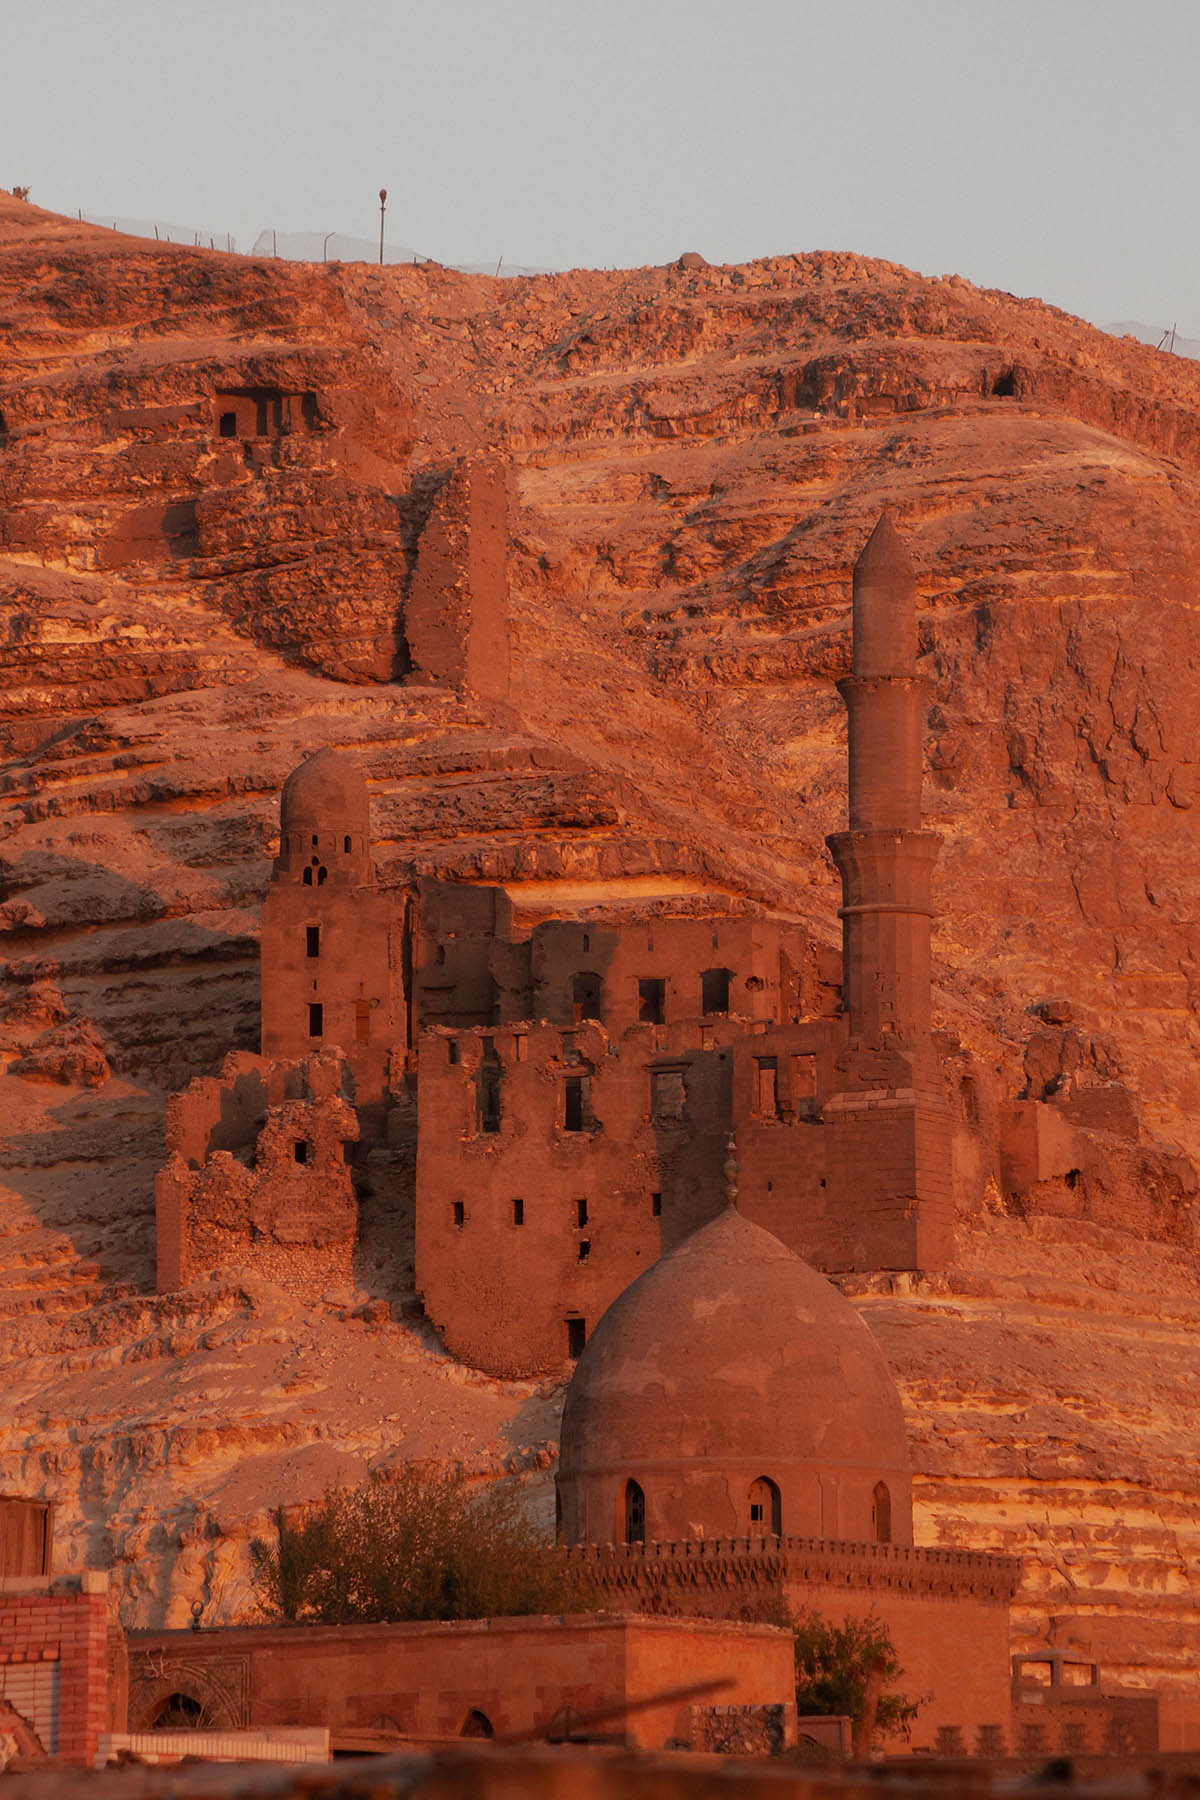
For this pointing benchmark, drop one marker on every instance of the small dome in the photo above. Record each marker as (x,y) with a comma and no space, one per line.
(729,1364)
(327,788)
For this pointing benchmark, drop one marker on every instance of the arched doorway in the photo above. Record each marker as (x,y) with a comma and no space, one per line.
(881,1513)
(180,1712)
(477,1725)
(766,1508)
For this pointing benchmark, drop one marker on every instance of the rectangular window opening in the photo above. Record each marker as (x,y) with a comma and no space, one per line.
(652,995)
(576,1338)
(573,1103)
(714,991)
(452,1053)
(518,1212)
(585,1249)
(667,1096)
(312,940)
(459,1213)
(316,1019)
(581,1215)
(656,1206)
(300,1150)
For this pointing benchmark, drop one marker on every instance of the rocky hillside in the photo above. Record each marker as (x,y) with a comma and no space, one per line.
(698,455)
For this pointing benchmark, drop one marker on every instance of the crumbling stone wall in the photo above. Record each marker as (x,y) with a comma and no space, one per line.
(456,612)
(270,1192)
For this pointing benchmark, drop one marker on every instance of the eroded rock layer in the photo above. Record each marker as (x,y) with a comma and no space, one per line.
(193,592)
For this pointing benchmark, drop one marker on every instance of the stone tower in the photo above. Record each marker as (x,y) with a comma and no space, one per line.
(888,1121)
(333,957)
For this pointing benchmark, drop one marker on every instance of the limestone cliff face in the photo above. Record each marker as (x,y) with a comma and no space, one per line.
(187,604)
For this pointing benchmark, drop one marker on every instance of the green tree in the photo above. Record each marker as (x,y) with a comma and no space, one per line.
(412,1546)
(834,1669)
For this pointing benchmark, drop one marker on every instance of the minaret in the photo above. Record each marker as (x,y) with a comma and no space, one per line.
(888,1158)
(885,860)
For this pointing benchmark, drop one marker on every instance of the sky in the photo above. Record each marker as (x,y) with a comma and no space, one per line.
(1032,145)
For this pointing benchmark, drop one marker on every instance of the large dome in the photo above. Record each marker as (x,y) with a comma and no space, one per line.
(733,1391)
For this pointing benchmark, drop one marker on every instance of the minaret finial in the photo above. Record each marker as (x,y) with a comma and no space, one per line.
(730,1172)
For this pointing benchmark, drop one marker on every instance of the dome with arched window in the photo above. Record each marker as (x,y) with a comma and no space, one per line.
(325,821)
(732,1391)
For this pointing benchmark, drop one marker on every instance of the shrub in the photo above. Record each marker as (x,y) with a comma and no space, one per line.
(412,1546)
(834,1664)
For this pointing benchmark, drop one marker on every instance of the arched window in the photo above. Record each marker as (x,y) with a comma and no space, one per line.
(635,1514)
(322,875)
(346,845)
(587,991)
(766,1508)
(477,1724)
(881,1513)
(308,877)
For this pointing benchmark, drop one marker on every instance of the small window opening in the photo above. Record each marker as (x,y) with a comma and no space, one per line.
(635,1514)
(652,995)
(518,1212)
(452,1053)
(322,876)
(487,1089)
(308,878)
(346,845)
(576,1338)
(767,1096)
(587,989)
(459,1213)
(316,1019)
(362,1021)
(477,1725)
(656,1206)
(766,1507)
(439,956)
(714,991)
(1072,1178)
(585,1249)
(881,1513)
(315,841)
(580,1214)
(587,943)
(300,1150)
(312,940)
(227,427)
(573,1103)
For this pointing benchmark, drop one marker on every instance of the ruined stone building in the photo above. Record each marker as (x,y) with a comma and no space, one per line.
(565,1083)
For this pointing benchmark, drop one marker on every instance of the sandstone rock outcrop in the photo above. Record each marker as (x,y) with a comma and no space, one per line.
(695,454)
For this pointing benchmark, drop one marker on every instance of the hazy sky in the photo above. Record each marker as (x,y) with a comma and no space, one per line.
(1049,147)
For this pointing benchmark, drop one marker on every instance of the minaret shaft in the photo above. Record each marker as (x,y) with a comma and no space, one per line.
(885,859)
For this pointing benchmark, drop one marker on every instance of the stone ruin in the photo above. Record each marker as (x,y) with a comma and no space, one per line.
(565,1086)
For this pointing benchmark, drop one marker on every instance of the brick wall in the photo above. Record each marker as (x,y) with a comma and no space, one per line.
(54,1655)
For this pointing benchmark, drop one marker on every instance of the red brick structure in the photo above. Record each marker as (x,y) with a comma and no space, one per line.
(54,1660)
(472,1678)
